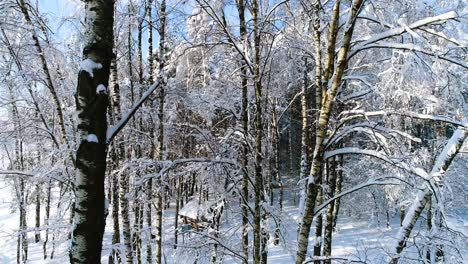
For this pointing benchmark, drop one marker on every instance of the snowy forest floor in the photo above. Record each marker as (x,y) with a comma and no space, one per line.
(355,239)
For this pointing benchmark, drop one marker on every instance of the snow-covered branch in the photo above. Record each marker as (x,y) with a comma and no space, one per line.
(368,129)
(413,47)
(400,30)
(382,156)
(441,165)
(372,182)
(112,131)
(169,165)
(348,115)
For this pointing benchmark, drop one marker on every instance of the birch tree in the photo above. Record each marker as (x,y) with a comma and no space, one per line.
(91,104)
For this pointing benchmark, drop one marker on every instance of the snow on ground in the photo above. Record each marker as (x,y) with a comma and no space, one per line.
(355,239)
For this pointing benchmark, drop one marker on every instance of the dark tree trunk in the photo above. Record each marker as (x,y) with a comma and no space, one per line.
(318,224)
(46,218)
(37,233)
(245,128)
(91,104)
(259,246)
(179,182)
(327,245)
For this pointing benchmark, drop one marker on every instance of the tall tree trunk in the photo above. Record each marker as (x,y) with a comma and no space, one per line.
(245,128)
(138,209)
(124,177)
(162,79)
(278,184)
(305,124)
(140,45)
(116,158)
(317,161)
(149,12)
(259,247)
(305,136)
(149,188)
(89,220)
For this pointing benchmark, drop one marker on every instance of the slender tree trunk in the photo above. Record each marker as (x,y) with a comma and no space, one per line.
(429,228)
(124,176)
(140,45)
(162,79)
(149,188)
(37,233)
(305,137)
(305,124)
(149,12)
(89,220)
(124,190)
(23,222)
(318,224)
(259,247)
(116,157)
(149,198)
(179,182)
(245,128)
(327,245)
(138,209)
(46,218)
(136,228)
(276,173)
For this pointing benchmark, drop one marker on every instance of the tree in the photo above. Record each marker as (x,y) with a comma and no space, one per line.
(91,105)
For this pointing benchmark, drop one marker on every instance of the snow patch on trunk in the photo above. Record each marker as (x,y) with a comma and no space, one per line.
(92,138)
(89,66)
(101,89)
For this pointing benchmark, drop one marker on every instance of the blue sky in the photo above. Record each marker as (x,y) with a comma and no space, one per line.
(56,7)
(55,10)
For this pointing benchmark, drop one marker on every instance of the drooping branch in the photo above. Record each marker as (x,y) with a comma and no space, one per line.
(372,153)
(368,128)
(372,182)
